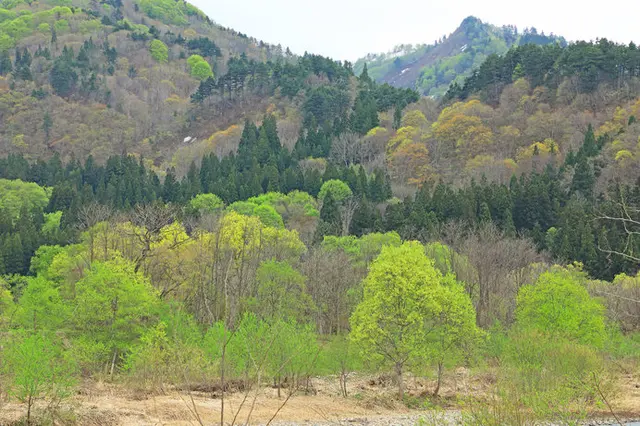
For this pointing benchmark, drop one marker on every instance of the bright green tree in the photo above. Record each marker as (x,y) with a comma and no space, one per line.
(294,353)
(207,203)
(37,370)
(16,195)
(340,357)
(114,305)
(338,189)
(269,216)
(7,307)
(455,332)
(559,304)
(159,51)
(281,293)
(407,309)
(199,67)
(41,307)
(193,60)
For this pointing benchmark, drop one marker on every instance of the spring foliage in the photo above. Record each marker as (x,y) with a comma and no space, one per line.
(559,304)
(408,305)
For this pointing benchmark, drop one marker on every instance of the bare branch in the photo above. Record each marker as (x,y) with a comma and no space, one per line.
(347,211)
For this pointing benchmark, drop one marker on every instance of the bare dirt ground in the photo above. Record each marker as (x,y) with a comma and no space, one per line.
(371,402)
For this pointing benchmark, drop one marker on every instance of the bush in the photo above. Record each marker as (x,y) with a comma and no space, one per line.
(162,358)
(541,378)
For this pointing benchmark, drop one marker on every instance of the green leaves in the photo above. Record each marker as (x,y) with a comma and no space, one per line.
(169,11)
(16,195)
(41,307)
(407,307)
(114,304)
(558,304)
(159,51)
(281,293)
(36,369)
(199,67)
(338,189)
(207,203)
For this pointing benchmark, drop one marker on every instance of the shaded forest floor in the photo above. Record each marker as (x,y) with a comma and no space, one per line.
(372,401)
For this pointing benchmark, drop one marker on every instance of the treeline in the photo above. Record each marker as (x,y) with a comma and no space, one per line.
(590,63)
(558,210)
(260,165)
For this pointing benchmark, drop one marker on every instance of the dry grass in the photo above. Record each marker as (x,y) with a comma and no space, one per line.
(104,404)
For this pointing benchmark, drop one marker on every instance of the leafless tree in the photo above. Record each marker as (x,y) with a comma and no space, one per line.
(331,275)
(622,299)
(501,265)
(627,217)
(149,219)
(344,149)
(288,132)
(347,211)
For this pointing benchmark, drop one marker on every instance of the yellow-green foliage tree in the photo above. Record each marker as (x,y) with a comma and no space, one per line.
(410,312)
(16,195)
(558,304)
(199,67)
(281,293)
(461,127)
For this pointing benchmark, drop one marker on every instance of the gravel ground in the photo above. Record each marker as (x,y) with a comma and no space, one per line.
(406,420)
(427,419)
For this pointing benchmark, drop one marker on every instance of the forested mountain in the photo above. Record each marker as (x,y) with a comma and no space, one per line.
(126,68)
(431,68)
(81,78)
(182,205)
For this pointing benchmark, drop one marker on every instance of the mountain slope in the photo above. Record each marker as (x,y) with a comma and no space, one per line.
(86,77)
(430,69)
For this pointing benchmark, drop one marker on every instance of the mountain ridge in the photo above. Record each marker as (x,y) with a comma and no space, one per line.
(431,68)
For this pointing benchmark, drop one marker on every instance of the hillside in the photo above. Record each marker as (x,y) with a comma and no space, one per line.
(430,69)
(87,77)
(80,78)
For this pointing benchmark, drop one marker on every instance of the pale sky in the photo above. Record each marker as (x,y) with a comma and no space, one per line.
(349,29)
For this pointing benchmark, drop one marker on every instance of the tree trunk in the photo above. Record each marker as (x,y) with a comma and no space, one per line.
(400,382)
(440,370)
(343,383)
(113,362)
(29,403)
(224,352)
(279,386)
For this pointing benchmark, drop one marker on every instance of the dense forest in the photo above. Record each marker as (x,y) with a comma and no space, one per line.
(183,207)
